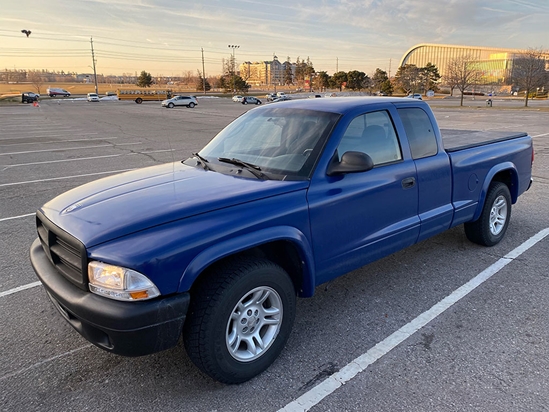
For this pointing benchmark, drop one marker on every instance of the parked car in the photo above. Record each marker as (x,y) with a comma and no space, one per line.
(271,96)
(415,96)
(29,97)
(281,99)
(251,100)
(237,99)
(189,101)
(53,91)
(93,97)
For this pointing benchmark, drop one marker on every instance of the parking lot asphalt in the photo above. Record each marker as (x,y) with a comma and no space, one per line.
(486,352)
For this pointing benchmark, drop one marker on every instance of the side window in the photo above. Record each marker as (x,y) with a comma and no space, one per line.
(374,134)
(420,132)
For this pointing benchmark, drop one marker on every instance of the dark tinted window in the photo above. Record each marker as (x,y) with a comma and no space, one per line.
(420,132)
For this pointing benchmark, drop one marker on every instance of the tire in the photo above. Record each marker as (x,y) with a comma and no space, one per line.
(139,100)
(258,102)
(222,339)
(170,105)
(490,227)
(191,105)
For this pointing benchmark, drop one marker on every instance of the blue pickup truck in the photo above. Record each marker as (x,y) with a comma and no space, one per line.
(288,196)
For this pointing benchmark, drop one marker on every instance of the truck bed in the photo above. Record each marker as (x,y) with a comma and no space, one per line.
(457,139)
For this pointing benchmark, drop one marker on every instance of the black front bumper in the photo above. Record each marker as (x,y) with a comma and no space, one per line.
(124,328)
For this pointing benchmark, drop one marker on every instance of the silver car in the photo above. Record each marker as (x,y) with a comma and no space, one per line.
(189,101)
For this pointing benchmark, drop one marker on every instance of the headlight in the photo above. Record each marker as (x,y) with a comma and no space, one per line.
(119,283)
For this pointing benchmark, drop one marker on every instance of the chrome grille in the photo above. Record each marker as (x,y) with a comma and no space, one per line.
(64,251)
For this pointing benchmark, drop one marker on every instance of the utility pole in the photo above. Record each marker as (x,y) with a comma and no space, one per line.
(93,60)
(203,72)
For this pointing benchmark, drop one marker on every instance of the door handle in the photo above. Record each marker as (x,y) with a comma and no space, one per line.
(408,183)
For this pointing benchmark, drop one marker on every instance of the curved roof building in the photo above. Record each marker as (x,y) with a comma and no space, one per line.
(495,63)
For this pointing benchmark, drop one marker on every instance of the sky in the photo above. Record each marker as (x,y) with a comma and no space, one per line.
(168,37)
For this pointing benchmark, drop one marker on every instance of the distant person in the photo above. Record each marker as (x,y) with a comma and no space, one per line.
(243,100)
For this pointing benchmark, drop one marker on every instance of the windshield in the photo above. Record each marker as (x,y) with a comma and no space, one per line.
(280,141)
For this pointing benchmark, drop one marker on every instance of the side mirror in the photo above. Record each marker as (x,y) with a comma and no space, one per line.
(351,162)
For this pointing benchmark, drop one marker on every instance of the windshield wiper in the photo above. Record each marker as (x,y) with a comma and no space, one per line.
(253,169)
(202,161)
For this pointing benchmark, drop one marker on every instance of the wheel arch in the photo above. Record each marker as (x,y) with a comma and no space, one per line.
(505,173)
(285,246)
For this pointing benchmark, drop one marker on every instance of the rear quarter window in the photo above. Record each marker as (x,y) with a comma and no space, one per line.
(420,132)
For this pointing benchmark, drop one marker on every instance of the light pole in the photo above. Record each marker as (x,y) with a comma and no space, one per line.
(233,46)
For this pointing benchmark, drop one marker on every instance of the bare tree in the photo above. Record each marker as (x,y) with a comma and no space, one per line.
(462,73)
(37,80)
(528,71)
(188,77)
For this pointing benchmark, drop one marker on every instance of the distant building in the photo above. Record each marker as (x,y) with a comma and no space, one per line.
(265,73)
(495,64)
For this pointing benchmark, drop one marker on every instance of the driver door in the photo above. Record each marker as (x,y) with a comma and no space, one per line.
(357,218)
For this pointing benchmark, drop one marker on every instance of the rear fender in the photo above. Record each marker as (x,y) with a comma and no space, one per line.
(248,241)
(506,169)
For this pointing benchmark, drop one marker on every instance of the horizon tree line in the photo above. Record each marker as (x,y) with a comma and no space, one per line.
(529,74)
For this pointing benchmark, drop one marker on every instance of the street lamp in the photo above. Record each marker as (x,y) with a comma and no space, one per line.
(233,46)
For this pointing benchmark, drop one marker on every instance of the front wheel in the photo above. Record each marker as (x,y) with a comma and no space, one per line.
(490,227)
(170,105)
(240,319)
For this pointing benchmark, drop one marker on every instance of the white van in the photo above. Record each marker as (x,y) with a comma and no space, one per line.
(53,91)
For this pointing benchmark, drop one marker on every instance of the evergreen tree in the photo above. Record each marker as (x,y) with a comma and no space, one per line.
(322,81)
(202,83)
(408,78)
(144,79)
(288,74)
(429,77)
(356,80)
(338,80)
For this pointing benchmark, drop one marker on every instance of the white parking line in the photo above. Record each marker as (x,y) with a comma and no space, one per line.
(64,177)
(9,375)
(58,141)
(332,383)
(20,288)
(70,148)
(5,167)
(16,217)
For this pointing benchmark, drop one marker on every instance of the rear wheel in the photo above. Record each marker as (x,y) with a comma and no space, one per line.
(240,319)
(490,227)
(191,105)
(139,100)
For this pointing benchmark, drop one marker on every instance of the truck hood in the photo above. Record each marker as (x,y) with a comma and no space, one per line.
(125,203)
